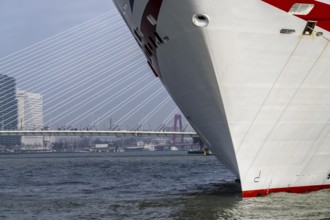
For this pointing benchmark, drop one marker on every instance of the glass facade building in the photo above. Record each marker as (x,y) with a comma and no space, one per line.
(8,110)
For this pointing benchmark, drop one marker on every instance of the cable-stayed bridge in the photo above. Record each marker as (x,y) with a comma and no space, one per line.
(92,80)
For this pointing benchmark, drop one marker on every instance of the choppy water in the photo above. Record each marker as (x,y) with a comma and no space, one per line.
(156,185)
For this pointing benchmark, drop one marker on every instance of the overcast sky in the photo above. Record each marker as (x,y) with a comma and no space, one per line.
(24,22)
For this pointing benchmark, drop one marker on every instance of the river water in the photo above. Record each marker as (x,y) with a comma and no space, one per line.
(153,185)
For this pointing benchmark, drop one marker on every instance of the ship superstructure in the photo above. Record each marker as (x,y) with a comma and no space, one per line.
(251,77)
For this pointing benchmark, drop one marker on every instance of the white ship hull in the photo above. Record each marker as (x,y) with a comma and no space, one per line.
(259,98)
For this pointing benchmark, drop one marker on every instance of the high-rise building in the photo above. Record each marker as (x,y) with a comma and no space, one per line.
(30,117)
(8,110)
(30,110)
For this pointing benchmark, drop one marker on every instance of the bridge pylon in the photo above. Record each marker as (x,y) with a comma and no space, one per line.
(177,122)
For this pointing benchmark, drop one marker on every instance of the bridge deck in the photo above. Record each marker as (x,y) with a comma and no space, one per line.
(97,133)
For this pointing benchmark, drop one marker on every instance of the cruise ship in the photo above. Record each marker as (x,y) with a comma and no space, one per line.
(253,79)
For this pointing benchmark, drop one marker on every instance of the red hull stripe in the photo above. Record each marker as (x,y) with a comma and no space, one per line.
(320,12)
(297,189)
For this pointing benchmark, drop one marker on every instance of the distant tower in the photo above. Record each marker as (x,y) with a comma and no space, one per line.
(30,110)
(177,119)
(8,110)
(30,117)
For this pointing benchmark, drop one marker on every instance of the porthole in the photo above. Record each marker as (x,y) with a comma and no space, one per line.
(200,20)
